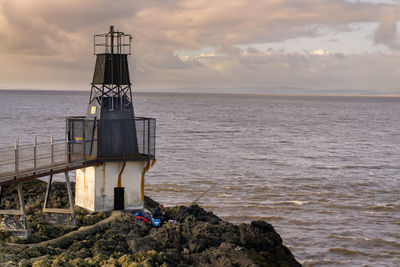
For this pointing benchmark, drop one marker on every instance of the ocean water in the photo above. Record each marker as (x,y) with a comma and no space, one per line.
(323,170)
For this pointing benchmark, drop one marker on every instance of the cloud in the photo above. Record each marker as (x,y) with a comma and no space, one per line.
(54,39)
(181,24)
(276,69)
(387,34)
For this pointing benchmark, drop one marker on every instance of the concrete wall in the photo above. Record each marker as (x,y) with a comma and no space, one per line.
(94,188)
(84,188)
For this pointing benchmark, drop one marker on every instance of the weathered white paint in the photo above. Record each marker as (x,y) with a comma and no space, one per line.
(84,188)
(94,189)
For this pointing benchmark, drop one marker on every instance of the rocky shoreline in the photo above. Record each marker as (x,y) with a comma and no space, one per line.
(196,238)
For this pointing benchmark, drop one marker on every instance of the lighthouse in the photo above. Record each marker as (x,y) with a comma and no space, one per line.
(119,146)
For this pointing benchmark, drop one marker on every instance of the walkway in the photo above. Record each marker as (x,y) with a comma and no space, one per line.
(26,162)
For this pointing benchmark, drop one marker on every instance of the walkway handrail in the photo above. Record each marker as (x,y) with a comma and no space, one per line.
(29,161)
(20,160)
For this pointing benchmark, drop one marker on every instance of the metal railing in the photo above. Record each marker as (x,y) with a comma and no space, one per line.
(127,146)
(32,160)
(146,136)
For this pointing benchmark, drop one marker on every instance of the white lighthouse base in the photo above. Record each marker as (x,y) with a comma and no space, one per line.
(94,186)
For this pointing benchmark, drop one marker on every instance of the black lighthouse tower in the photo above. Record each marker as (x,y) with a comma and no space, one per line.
(114,147)
(110,108)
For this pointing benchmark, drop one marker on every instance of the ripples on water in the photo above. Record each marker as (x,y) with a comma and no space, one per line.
(323,170)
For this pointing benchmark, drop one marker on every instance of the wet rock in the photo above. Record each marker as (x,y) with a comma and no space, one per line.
(150,204)
(194,212)
(4,234)
(197,238)
(142,244)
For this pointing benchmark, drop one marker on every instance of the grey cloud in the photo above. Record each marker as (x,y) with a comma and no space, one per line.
(182,24)
(292,69)
(57,35)
(252,50)
(387,34)
(168,61)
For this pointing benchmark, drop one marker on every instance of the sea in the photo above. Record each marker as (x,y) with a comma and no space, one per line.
(323,170)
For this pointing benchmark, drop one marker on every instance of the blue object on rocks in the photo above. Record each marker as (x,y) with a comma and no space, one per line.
(156,222)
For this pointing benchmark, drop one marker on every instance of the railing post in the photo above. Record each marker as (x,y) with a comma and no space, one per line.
(67,157)
(16,157)
(84,141)
(51,152)
(154,137)
(144,137)
(35,154)
(148,138)
(66,151)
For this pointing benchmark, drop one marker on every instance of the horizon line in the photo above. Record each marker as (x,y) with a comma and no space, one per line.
(215,93)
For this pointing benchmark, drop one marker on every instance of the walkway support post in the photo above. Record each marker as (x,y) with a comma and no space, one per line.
(60,216)
(14,220)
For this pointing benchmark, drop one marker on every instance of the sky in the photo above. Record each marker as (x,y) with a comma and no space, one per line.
(223,46)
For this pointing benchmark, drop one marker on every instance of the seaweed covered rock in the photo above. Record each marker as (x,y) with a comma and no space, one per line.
(192,237)
(201,238)
(42,229)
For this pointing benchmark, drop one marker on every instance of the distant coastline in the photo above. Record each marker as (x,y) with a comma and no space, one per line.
(179,92)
